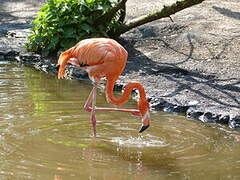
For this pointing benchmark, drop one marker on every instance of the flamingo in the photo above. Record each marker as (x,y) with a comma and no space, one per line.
(104,57)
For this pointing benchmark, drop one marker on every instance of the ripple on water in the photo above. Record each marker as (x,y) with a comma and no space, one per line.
(139,142)
(43,131)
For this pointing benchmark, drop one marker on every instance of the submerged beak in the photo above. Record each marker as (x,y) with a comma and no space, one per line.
(145,122)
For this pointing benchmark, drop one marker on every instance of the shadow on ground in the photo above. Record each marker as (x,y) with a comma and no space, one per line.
(185,79)
(227,12)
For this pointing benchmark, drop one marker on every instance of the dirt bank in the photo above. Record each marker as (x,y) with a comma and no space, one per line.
(190,66)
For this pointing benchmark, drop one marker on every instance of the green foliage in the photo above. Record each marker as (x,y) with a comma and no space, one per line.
(62,23)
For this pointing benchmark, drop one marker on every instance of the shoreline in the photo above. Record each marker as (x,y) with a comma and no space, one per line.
(184,69)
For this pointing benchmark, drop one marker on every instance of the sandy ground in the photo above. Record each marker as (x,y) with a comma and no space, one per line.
(204,40)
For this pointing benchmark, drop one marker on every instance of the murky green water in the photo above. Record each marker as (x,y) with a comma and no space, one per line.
(45,134)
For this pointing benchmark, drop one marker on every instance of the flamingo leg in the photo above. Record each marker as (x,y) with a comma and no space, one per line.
(90,106)
(135,112)
(93,112)
(132,111)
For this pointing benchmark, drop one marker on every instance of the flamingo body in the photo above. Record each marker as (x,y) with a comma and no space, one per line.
(104,57)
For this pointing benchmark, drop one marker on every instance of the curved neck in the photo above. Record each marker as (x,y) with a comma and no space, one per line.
(126,94)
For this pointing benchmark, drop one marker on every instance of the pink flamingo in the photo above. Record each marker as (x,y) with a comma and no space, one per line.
(104,57)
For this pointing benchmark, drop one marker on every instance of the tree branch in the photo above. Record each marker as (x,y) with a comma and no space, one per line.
(166,11)
(122,13)
(108,16)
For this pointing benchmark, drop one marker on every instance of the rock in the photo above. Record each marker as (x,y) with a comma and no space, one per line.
(209,117)
(74,72)
(234,122)
(194,114)
(163,105)
(29,58)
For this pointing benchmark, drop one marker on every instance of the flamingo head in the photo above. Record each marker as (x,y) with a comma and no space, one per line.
(62,62)
(143,106)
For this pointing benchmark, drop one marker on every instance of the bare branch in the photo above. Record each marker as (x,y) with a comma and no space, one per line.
(166,11)
(108,16)
(122,14)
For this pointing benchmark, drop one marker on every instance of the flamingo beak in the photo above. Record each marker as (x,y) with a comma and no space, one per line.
(143,128)
(145,121)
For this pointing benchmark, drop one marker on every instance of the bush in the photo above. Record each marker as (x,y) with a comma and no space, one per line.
(62,23)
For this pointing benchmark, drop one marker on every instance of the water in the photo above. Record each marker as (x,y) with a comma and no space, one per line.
(45,134)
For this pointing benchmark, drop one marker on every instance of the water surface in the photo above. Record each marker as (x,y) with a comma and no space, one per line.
(45,134)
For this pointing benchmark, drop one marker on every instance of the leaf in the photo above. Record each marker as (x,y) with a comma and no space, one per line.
(67,43)
(87,28)
(69,31)
(55,40)
(62,23)
(89,1)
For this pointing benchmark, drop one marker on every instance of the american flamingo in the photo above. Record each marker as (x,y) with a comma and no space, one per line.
(104,57)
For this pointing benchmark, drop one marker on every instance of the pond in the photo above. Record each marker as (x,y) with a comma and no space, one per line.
(45,134)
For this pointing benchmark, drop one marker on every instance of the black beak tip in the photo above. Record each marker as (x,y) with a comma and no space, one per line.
(57,66)
(143,128)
